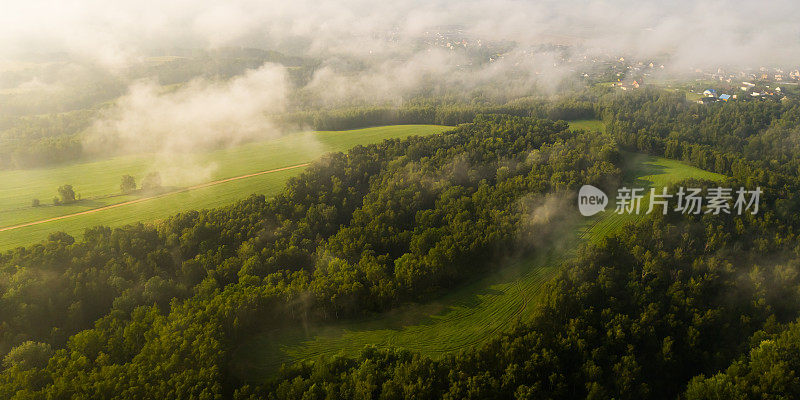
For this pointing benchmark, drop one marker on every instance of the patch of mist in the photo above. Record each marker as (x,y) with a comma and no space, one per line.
(178,123)
(548,221)
(183,170)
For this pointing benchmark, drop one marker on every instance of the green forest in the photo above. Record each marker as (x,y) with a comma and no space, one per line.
(673,306)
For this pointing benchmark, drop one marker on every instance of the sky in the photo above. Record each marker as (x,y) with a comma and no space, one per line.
(114,33)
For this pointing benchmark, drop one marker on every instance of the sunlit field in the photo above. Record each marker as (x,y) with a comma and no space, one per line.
(98,182)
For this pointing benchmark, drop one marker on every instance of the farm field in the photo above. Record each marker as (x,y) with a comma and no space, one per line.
(98,182)
(462,318)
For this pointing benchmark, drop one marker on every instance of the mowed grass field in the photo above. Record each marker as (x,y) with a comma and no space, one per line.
(98,182)
(463,318)
(588,125)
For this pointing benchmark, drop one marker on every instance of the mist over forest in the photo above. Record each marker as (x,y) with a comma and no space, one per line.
(388,200)
(112,62)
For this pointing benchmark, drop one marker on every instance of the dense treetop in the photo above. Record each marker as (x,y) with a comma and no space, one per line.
(674,306)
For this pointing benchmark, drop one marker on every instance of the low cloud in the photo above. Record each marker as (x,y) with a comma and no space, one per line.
(200,115)
(547,221)
(697,33)
(175,123)
(364,52)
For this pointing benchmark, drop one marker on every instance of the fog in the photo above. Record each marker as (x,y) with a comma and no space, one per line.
(198,115)
(175,123)
(363,52)
(385,37)
(114,33)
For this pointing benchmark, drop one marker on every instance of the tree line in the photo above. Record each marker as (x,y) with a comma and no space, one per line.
(438,112)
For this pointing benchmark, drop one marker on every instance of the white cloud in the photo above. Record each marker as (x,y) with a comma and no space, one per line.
(201,114)
(115,32)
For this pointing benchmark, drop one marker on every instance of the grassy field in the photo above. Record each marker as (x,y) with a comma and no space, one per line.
(98,182)
(588,124)
(462,318)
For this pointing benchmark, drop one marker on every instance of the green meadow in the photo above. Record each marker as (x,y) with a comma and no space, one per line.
(98,181)
(588,125)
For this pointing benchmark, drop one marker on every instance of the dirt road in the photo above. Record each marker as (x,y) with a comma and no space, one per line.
(186,189)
